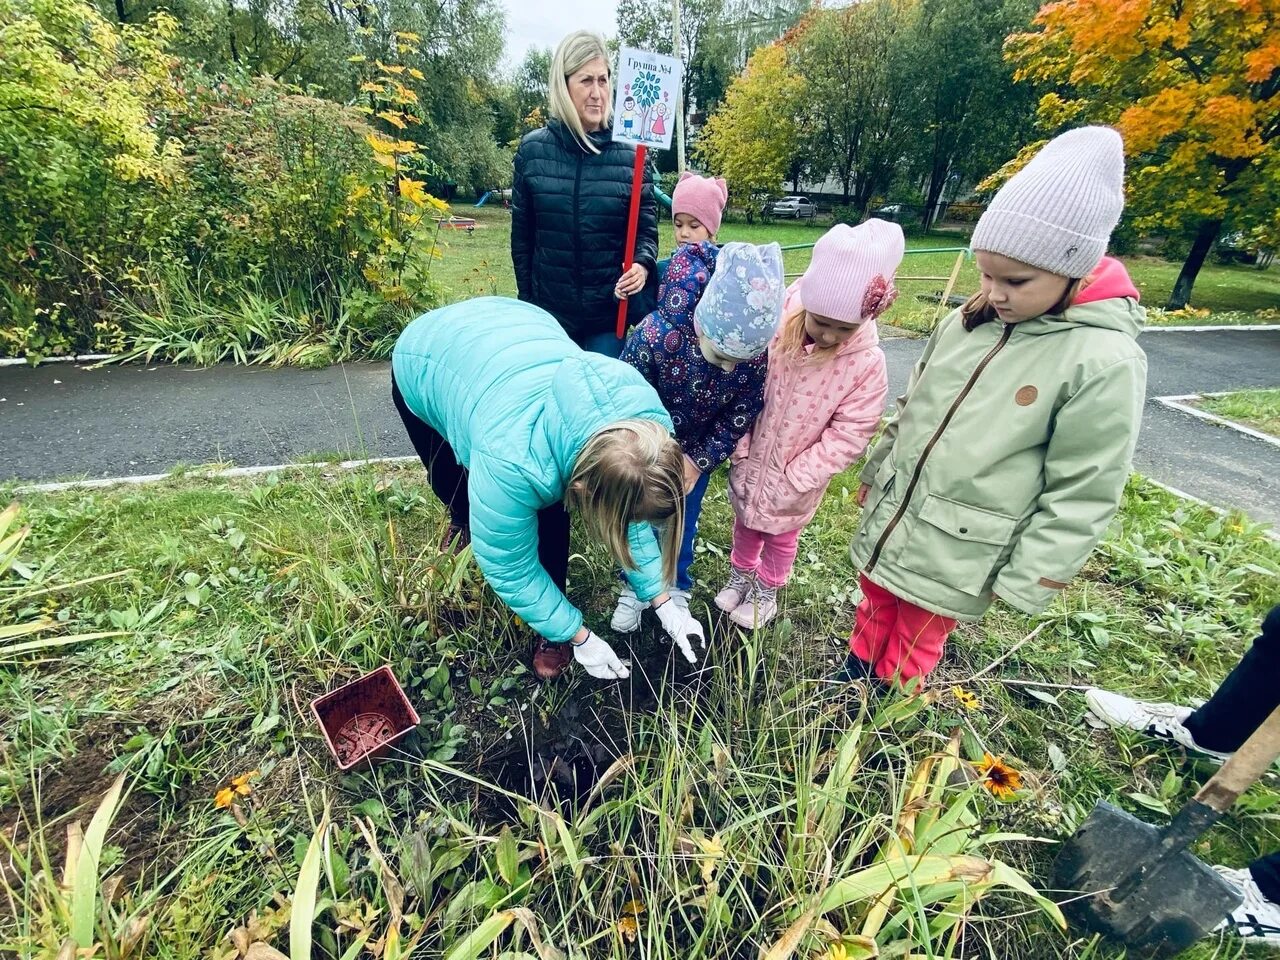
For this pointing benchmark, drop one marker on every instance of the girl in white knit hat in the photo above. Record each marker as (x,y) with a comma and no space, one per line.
(822,403)
(1007,456)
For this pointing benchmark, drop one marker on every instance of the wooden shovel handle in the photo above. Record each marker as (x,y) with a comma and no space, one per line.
(1248,764)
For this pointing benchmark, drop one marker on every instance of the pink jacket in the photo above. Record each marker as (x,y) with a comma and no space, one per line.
(817,420)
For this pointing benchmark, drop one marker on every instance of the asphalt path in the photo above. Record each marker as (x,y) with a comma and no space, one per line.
(67,421)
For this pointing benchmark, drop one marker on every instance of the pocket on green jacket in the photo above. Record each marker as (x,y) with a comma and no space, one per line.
(957,544)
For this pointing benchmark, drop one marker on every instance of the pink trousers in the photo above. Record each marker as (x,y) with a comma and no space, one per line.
(770,556)
(897,638)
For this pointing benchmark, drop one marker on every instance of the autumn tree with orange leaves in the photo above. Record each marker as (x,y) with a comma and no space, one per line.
(1194,88)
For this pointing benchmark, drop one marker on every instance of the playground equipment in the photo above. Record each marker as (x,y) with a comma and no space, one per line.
(457,223)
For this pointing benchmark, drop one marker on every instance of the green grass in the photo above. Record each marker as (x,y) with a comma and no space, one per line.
(1259,409)
(743,793)
(1224,294)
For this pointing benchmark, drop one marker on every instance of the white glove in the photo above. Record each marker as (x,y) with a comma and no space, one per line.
(680,625)
(599,660)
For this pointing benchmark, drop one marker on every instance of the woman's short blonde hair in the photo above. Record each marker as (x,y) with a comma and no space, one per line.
(575,52)
(631,472)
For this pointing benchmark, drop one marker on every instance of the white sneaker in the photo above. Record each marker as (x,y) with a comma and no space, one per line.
(1160,721)
(1257,919)
(736,590)
(758,609)
(626,615)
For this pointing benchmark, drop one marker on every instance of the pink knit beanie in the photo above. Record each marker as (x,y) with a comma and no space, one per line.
(850,278)
(702,198)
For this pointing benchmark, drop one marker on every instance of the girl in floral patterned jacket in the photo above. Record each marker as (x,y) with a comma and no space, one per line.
(706,358)
(823,400)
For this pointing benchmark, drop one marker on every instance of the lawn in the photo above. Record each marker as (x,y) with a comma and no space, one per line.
(1259,409)
(481,264)
(685,814)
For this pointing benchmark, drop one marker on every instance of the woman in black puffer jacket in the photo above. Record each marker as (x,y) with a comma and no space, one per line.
(569,204)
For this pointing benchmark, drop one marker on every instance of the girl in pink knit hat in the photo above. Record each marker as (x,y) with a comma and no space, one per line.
(823,400)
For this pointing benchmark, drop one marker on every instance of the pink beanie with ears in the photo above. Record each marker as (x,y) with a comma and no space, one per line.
(702,198)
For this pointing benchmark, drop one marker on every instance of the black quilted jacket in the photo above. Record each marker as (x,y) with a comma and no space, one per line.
(569,227)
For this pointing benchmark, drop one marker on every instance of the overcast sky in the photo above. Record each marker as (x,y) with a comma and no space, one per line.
(541,23)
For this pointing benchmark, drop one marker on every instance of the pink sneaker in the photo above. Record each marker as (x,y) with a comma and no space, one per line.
(758,608)
(737,589)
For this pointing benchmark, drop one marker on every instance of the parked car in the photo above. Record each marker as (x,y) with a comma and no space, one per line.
(892,212)
(795,207)
(1236,248)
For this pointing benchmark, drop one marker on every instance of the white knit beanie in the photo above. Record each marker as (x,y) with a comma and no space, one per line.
(1057,212)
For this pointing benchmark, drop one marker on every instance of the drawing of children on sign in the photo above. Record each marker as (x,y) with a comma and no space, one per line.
(659,127)
(646,85)
(628,114)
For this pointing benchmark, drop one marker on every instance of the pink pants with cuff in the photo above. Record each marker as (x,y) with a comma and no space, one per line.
(770,556)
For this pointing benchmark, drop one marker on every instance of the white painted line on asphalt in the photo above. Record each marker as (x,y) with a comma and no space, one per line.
(1180,404)
(1210,327)
(1269,533)
(229,472)
(79,358)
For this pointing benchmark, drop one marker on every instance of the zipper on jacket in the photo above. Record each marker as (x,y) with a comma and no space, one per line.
(928,447)
(577,232)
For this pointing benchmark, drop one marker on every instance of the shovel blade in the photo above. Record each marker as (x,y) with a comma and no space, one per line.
(1170,909)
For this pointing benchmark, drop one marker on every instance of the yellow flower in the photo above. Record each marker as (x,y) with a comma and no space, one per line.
(629,928)
(1002,780)
(224,798)
(966,698)
(837,951)
(241,783)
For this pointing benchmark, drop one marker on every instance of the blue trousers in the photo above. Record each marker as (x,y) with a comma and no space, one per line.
(692,510)
(605,342)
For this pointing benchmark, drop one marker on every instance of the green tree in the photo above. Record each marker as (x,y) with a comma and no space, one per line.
(861,82)
(968,110)
(751,138)
(85,172)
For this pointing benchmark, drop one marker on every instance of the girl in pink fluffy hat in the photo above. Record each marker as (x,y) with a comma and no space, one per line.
(823,400)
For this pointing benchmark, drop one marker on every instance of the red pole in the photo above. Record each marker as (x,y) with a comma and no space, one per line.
(633,222)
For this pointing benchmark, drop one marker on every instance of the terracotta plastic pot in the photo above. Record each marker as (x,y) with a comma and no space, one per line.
(364,719)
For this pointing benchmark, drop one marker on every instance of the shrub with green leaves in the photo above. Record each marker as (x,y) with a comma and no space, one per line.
(86,171)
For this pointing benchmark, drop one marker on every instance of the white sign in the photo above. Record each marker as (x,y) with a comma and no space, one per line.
(646,98)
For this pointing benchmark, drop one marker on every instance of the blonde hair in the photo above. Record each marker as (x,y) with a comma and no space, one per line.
(792,335)
(575,52)
(631,472)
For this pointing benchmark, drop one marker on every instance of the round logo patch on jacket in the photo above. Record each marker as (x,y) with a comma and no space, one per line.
(1026,395)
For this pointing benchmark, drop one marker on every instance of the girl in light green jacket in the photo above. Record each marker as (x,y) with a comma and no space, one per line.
(1008,454)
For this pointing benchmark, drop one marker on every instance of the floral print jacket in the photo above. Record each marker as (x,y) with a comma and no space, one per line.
(711,409)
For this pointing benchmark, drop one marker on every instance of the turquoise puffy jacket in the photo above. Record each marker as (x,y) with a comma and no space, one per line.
(517,400)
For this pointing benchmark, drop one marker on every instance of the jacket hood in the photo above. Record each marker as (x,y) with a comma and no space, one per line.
(1109,301)
(866,336)
(588,393)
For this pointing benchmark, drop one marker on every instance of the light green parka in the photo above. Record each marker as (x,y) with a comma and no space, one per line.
(1007,457)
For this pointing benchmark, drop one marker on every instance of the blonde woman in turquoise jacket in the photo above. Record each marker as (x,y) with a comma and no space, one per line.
(516,425)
